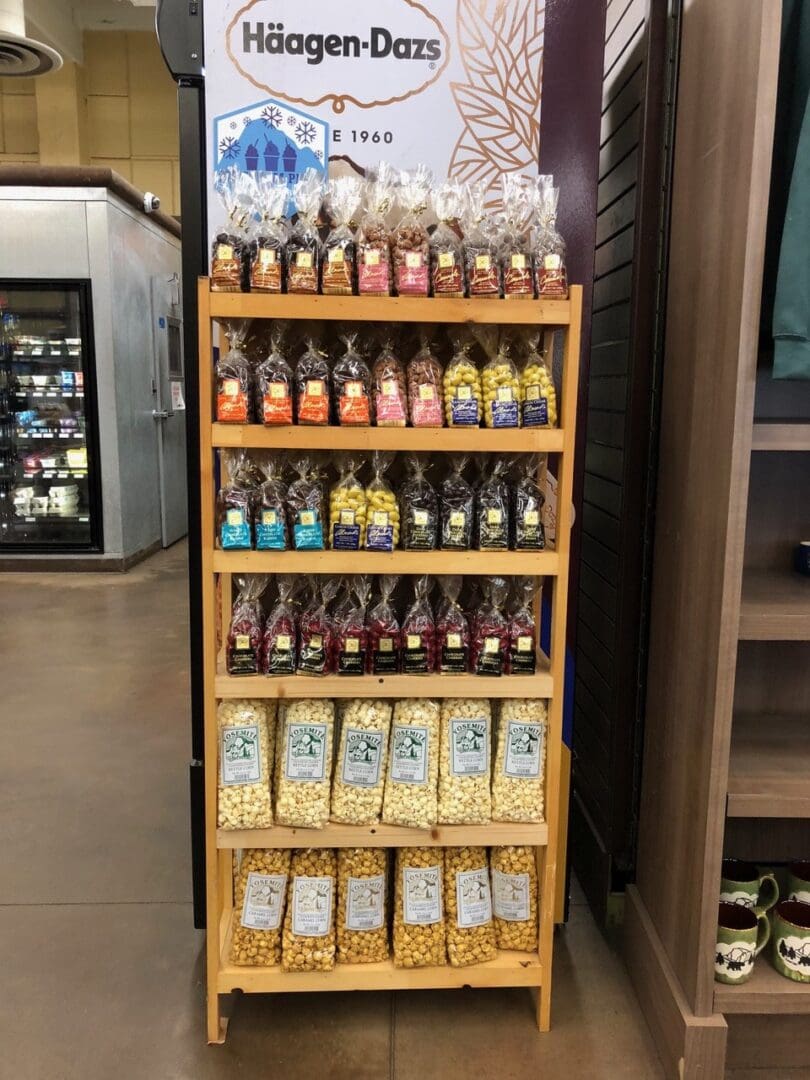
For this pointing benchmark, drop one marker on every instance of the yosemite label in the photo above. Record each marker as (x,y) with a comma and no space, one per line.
(374,55)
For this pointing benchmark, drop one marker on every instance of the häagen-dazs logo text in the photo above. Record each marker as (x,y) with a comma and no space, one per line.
(366,55)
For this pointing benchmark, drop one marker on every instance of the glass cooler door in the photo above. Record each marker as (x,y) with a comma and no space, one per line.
(49,484)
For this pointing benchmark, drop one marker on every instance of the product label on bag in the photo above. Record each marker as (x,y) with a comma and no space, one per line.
(313,403)
(490,659)
(379,532)
(373,274)
(456,529)
(362,758)
(421,532)
(242,657)
(473,898)
(492,528)
(454,655)
(232,402)
(264,901)
(305,756)
(345,534)
(353,404)
(464,408)
(414,655)
(351,658)
(308,531)
(530,532)
(270,531)
(409,755)
(312,660)
(426,409)
(390,404)
(524,750)
(522,656)
(510,896)
(277,404)
(384,657)
(365,903)
(240,755)
(311,906)
(505,408)
(421,895)
(235,530)
(412,277)
(281,656)
(469,747)
(535,408)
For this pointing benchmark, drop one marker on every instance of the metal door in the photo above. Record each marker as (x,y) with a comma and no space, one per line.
(168,385)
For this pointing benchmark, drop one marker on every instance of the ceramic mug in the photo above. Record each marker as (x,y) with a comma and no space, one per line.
(742,884)
(791,940)
(799,882)
(742,934)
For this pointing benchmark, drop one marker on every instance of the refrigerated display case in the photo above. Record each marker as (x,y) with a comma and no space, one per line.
(49,463)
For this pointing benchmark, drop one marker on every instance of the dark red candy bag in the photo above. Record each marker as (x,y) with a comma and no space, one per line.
(315,631)
(490,639)
(384,635)
(279,651)
(243,647)
(452,629)
(419,632)
(522,656)
(350,633)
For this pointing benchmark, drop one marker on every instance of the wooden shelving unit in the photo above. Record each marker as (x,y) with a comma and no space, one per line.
(769,768)
(775,605)
(509,969)
(781,435)
(765,992)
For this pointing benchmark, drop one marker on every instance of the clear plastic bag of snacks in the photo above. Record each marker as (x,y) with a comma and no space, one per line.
(514,897)
(550,273)
(362,919)
(347,506)
(247,738)
(499,381)
(410,249)
(413,765)
(339,269)
(457,500)
(480,247)
(452,629)
(382,528)
(468,902)
(384,634)
(419,937)
(228,245)
(304,244)
(269,236)
(234,376)
(492,523)
(350,634)
(538,397)
(419,631)
(373,240)
(520,755)
(243,646)
(351,384)
(279,641)
(464,761)
(304,763)
(446,248)
(315,630)
(357,790)
(462,385)
(419,507)
(274,381)
(522,656)
(306,505)
(312,383)
(528,532)
(426,384)
(237,500)
(490,631)
(388,386)
(515,242)
(308,940)
(260,896)
(272,532)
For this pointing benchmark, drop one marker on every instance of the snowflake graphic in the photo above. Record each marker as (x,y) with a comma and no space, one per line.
(305,132)
(229,147)
(291,120)
(319,155)
(247,120)
(272,115)
(232,125)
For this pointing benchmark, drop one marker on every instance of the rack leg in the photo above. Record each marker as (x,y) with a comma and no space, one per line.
(544,1009)
(217,1023)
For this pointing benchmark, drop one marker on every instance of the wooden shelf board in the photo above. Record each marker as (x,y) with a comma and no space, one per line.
(496,833)
(539,685)
(435,440)
(781,435)
(769,767)
(390,309)
(765,992)
(775,606)
(486,563)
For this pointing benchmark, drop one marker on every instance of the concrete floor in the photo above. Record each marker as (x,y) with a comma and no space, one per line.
(102,970)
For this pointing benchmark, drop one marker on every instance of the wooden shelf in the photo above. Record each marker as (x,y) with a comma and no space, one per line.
(390,309)
(775,606)
(493,834)
(540,685)
(769,768)
(486,563)
(765,992)
(781,435)
(406,440)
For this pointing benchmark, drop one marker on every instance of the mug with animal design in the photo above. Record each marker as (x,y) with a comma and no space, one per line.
(799,882)
(743,884)
(742,934)
(791,940)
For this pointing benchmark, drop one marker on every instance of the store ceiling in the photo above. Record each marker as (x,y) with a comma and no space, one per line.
(60,23)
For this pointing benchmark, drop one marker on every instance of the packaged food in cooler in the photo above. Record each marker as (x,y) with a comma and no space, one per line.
(304,763)
(315,630)
(312,383)
(384,634)
(515,242)
(514,897)
(452,629)
(457,500)
(269,234)
(409,241)
(419,937)
(347,506)
(426,385)
(339,268)
(500,383)
(413,765)
(362,918)
(237,500)
(304,248)
(551,276)
(373,239)
(350,634)
(260,897)
(228,244)
(419,631)
(481,260)
(521,658)
(243,647)
(446,248)
(308,940)
(306,505)
(490,632)
(274,381)
(492,519)
(247,736)
(272,532)
(464,761)
(462,385)
(357,790)
(528,532)
(519,770)
(388,386)
(382,524)
(418,507)
(234,376)
(468,902)
(279,641)
(538,397)
(351,384)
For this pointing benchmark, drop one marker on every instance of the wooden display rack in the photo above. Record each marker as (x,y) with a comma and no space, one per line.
(510,968)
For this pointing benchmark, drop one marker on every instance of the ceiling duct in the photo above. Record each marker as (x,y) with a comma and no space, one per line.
(20,55)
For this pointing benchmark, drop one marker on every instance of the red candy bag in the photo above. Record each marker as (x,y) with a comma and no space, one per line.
(419,632)
(490,639)
(350,633)
(315,631)
(452,629)
(384,636)
(243,647)
(522,656)
(279,645)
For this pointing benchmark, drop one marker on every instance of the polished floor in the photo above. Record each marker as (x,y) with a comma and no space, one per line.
(100,967)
